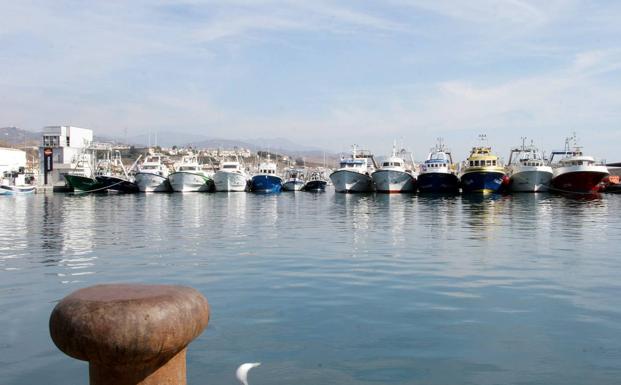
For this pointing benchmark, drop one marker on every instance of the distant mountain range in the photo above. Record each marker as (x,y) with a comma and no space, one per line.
(15,136)
(18,136)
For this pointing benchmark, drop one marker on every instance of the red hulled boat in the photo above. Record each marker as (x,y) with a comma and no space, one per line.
(577,173)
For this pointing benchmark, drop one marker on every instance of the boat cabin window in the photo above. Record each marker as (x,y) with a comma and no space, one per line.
(187,168)
(229,166)
(149,167)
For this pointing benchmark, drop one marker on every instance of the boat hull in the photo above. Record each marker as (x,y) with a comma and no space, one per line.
(84,184)
(148,182)
(438,183)
(393,181)
(293,185)
(315,186)
(266,184)
(581,181)
(117,184)
(530,181)
(190,182)
(230,181)
(482,181)
(345,181)
(17,190)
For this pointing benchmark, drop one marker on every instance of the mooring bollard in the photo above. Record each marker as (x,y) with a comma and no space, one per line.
(130,334)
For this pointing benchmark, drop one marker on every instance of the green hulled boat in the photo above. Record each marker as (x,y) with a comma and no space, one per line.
(84,184)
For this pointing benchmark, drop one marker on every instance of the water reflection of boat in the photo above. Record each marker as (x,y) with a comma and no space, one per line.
(354,173)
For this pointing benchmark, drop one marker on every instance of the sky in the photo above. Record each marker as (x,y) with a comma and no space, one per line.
(327,74)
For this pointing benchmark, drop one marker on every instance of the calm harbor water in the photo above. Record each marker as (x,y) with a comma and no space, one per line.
(333,289)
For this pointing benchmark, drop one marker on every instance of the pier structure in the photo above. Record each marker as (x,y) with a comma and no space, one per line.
(130,334)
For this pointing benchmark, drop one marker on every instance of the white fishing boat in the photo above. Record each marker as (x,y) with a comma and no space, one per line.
(354,172)
(14,183)
(231,177)
(394,176)
(527,170)
(294,179)
(152,175)
(189,176)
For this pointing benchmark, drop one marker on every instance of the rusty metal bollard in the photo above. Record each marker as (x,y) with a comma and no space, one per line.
(130,334)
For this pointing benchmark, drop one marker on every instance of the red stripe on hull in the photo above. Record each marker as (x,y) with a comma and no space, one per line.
(579,182)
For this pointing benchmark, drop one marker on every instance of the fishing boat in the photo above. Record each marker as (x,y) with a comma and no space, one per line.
(6,189)
(266,179)
(82,177)
(316,182)
(437,173)
(575,172)
(115,177)
(14,183)
(152,175)
(231,177)
(294,180)
(527,170)
(354,172)
(483,171)
(393,176)
(189,176)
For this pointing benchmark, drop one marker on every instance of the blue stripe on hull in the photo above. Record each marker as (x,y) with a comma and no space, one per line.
(482,181)
(435,182)
(266,184)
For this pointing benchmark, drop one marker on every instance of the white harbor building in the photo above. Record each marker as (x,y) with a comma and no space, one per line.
(12,160)
(69,145)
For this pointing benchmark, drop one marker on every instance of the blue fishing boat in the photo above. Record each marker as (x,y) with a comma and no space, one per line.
(266,179)
(437,173)
(483,171)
